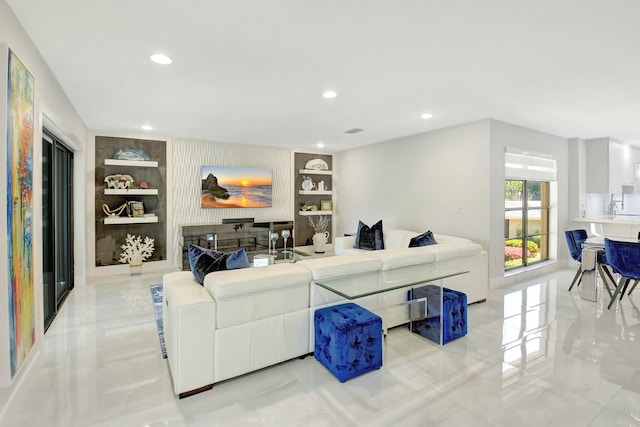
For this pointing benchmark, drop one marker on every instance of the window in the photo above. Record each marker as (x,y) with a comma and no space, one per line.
(526,222)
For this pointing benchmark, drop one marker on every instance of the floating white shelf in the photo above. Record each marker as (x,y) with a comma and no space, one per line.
(315,193)
(316,172)
(310,213)
(136,163)
(130,220)
(132,192)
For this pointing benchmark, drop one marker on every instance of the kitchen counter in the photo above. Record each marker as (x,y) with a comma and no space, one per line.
(619,219)
(621,226)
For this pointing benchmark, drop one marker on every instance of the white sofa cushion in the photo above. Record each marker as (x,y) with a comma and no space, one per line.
(230,283)
(449,247)
(336,266)
(398,258)
(258,293)
(396,238)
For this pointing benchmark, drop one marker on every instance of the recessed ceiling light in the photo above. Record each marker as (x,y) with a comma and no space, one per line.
(146,127)
(320,144)
(426,115)
(329,94)
(159,58)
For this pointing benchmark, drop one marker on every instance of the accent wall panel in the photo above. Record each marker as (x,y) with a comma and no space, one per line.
(189,156)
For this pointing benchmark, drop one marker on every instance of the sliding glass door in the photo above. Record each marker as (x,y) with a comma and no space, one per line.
(57,224)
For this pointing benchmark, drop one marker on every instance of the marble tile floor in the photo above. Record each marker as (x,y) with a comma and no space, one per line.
(535,355)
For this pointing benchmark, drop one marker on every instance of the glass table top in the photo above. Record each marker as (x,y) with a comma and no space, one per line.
(371,283)
(598,241)
(278,256)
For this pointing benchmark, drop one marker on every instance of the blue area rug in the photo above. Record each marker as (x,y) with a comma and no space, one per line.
(156,296)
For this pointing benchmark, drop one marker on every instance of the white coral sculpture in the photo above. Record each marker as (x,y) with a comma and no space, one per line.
(135,250)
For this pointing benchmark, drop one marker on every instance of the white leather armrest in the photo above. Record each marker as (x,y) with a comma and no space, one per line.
(189,324)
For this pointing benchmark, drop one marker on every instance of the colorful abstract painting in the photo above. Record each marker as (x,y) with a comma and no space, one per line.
(20,125)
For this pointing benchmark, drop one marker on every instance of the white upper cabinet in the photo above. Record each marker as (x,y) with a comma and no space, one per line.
(597,171)
(610,165)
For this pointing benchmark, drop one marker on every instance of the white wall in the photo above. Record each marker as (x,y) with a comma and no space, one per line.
(52,102)
(436,180)
(450,181)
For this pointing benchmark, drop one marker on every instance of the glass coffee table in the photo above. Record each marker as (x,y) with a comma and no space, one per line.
(356,286)
(295,254)
(265,257)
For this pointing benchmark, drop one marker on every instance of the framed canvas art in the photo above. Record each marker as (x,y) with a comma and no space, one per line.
(19,193)
(230,187)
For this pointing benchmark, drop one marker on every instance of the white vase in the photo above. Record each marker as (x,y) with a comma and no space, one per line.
(320,241)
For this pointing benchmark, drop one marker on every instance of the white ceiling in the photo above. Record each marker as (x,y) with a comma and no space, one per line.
(251,71)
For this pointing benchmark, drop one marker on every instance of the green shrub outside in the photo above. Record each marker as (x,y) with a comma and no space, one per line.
(531,245)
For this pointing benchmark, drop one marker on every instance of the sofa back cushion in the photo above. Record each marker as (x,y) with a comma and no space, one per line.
(252,294)
(450,247)
(397,238)
(405,257)
(338,266)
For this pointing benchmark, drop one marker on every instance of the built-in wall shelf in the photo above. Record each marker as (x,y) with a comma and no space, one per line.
(310,213)
(314,185)
(316,172)
(133,163)
(110,230)
(315,193)
(130,220)
(131,192)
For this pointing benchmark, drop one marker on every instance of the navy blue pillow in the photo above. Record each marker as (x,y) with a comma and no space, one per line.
(369,238)
(194,252)
(424,239)
(208,262)
(204,261)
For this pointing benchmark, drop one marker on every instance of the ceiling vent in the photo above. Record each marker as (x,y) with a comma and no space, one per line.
(354,130)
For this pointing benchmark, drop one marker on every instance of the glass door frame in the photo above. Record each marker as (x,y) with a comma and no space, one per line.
(58,227)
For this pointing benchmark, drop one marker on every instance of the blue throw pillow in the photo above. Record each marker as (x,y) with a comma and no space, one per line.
(208,262)
(237,259)
(204,261)
(369,238)
(194,253)
(424,239)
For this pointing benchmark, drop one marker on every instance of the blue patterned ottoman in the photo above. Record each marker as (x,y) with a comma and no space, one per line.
(348,340)
(454,314)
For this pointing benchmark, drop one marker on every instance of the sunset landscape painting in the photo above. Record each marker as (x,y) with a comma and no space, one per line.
(228,187)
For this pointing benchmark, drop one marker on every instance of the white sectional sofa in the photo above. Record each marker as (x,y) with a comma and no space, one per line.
(248,319)
(449,252)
